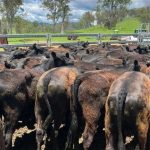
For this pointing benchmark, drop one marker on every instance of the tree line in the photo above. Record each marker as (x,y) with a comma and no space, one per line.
(58,10)
(107,13)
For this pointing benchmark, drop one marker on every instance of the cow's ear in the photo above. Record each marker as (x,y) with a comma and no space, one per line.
(67,55)
(53,54)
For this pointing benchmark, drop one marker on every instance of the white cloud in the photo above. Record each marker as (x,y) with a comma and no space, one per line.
(140,3)
(34,11)
(85,5)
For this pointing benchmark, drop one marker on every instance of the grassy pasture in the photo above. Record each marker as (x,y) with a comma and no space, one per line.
(128,25)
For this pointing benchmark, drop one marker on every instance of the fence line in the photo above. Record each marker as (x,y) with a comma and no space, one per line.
(59,35)
(49,36)
(22,35)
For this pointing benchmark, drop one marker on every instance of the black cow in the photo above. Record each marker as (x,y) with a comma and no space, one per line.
(52,102)
(136,66)
(15,91)
(17,94)
(36,50)
(41,62)
(18,54)
(128,112)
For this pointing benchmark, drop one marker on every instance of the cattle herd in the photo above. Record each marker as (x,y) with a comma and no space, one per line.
(76,96)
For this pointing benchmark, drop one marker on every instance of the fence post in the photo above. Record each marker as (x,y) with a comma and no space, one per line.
(99,38)
(49,38)
(139,38)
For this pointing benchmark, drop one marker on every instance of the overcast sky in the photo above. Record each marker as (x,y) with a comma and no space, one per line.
(34,11)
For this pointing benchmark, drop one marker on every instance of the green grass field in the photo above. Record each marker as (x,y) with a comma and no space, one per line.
(128,25)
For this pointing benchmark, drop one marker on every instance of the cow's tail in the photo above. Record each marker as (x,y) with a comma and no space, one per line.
(72,134)
(74,91)
(44,97)
(120,113)
(49,118)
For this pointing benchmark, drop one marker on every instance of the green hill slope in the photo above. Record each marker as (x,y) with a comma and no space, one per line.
(128,25)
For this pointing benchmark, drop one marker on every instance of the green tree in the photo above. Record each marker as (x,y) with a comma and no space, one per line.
(53,8)
(99,16)
(21,25)
(35,26)
(58,9)
(11,8)
(113,10)
(87,19)
(25,26)
(144,14)
(64,13)
(2,12)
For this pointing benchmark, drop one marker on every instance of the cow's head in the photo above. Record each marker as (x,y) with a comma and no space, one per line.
(62,60)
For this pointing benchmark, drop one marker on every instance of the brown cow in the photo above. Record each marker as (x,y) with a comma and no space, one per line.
(90,91)
(53,100)
(145,69)
(3,40)
(128,111)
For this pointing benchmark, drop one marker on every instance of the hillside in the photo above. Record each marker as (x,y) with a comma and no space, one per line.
(128,25)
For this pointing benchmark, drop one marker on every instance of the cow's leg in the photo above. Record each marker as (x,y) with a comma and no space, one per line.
(49,143)
(142,128)
(55,142)
(55,134)
(39,137)
(88,134)
(110,138)
(148,139)
(43,117)
(8,132)
(10,119)
(52,134)
(63,131)
(72,137)
(47,127)
(2,143)
(39,120)
(109,132)
(91,113)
